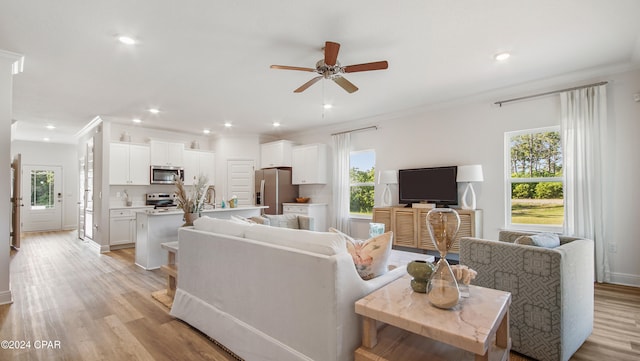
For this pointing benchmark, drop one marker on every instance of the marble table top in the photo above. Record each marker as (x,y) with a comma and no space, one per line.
(469,325)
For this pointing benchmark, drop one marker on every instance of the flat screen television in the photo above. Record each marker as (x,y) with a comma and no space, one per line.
(428,185)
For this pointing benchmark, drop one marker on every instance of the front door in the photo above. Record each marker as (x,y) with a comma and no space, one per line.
(42,186)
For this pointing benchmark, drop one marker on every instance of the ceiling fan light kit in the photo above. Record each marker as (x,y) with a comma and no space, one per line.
(330,68)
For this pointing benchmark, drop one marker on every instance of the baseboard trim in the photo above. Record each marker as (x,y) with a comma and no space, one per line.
(624,279)
(92,244)
(6,297)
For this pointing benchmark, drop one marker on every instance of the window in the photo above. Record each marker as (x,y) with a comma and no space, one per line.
(534,181)
(42,189)
(362,181)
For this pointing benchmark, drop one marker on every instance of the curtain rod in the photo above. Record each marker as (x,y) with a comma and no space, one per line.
(374,127)
(549,93)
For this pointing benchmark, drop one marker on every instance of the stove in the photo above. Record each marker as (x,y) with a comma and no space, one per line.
(161,200)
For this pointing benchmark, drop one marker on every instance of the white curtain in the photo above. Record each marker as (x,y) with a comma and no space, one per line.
(584,124)
(341,182)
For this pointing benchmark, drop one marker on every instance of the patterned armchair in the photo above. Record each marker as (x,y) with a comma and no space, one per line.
(551,313)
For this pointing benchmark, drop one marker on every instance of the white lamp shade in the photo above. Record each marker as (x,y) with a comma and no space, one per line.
(470,173)
(388,177)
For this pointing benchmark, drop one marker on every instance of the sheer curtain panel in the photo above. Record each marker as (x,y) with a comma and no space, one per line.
(341,182)
(583,129)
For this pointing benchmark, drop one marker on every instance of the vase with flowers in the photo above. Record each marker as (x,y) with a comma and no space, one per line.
(192,201)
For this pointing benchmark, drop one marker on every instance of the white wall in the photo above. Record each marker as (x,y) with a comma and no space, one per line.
(6,87)
(51,154)
(472,132)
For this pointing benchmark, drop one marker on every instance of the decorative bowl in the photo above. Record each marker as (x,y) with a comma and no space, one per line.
(302,199)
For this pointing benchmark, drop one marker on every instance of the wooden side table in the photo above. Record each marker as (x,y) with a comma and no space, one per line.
(171,270)
(477,328)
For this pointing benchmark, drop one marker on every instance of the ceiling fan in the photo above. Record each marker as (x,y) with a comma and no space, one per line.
(330,68)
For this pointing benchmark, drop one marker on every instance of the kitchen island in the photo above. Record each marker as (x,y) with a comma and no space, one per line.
(156,226)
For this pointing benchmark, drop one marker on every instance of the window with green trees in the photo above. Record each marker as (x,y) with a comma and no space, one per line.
(362,181)
(534,178)
(42,189)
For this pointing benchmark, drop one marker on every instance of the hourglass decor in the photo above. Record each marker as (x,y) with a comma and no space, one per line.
(442,289)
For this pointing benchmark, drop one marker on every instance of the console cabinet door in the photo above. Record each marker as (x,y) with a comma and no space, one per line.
(404,227)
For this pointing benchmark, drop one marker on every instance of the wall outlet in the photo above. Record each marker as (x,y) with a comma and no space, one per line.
(613,247)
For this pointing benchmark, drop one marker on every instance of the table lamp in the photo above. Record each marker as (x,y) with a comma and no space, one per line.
(469,174)
(387,177)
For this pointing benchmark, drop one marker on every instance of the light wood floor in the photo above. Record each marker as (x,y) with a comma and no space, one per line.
(99,307)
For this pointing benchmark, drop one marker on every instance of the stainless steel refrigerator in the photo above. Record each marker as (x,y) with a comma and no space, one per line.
(273,187)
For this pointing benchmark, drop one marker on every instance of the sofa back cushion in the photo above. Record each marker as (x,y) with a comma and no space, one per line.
(326,243)
(221,226)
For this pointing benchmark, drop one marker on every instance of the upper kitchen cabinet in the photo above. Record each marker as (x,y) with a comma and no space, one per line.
(167,153)
(276,154)
(129,164)
(199,162)
(309,164)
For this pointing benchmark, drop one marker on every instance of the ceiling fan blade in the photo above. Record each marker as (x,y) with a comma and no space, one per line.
(345,84)
(378,65)
(331,53)
(307,84)
(286,67)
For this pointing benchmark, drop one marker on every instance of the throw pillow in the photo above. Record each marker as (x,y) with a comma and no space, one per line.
(526,240)
(242,220)
(547,240)
(370,257)
(261,220)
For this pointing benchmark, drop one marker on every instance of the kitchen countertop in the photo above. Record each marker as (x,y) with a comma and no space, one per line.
(129,207)
(165,212)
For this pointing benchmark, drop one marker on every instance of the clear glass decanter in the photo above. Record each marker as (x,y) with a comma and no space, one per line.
(442,289)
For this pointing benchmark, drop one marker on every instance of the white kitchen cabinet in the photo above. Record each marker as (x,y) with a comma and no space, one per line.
(199,162)
(276,154)
(122,226)
(317,211)
(128,164)
(167,153)
(309,164)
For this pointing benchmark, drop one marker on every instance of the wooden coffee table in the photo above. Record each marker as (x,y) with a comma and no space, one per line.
(478,327)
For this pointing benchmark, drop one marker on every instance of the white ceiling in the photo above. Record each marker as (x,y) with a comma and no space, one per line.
(204,62)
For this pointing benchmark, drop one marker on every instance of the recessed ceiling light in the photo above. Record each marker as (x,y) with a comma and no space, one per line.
(276,124)
(228,124)
(127,40)
(136,120)
(502,56)
(154,110)
(46,139)
(328,106)
(206,131)
(51,126)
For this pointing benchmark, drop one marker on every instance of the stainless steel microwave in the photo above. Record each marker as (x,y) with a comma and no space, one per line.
(165,174)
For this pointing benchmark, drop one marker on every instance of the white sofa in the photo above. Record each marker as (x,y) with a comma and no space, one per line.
(270,293)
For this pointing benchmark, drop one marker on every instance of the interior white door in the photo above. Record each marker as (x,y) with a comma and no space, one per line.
(240,179)
(42,186)
(16,200)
